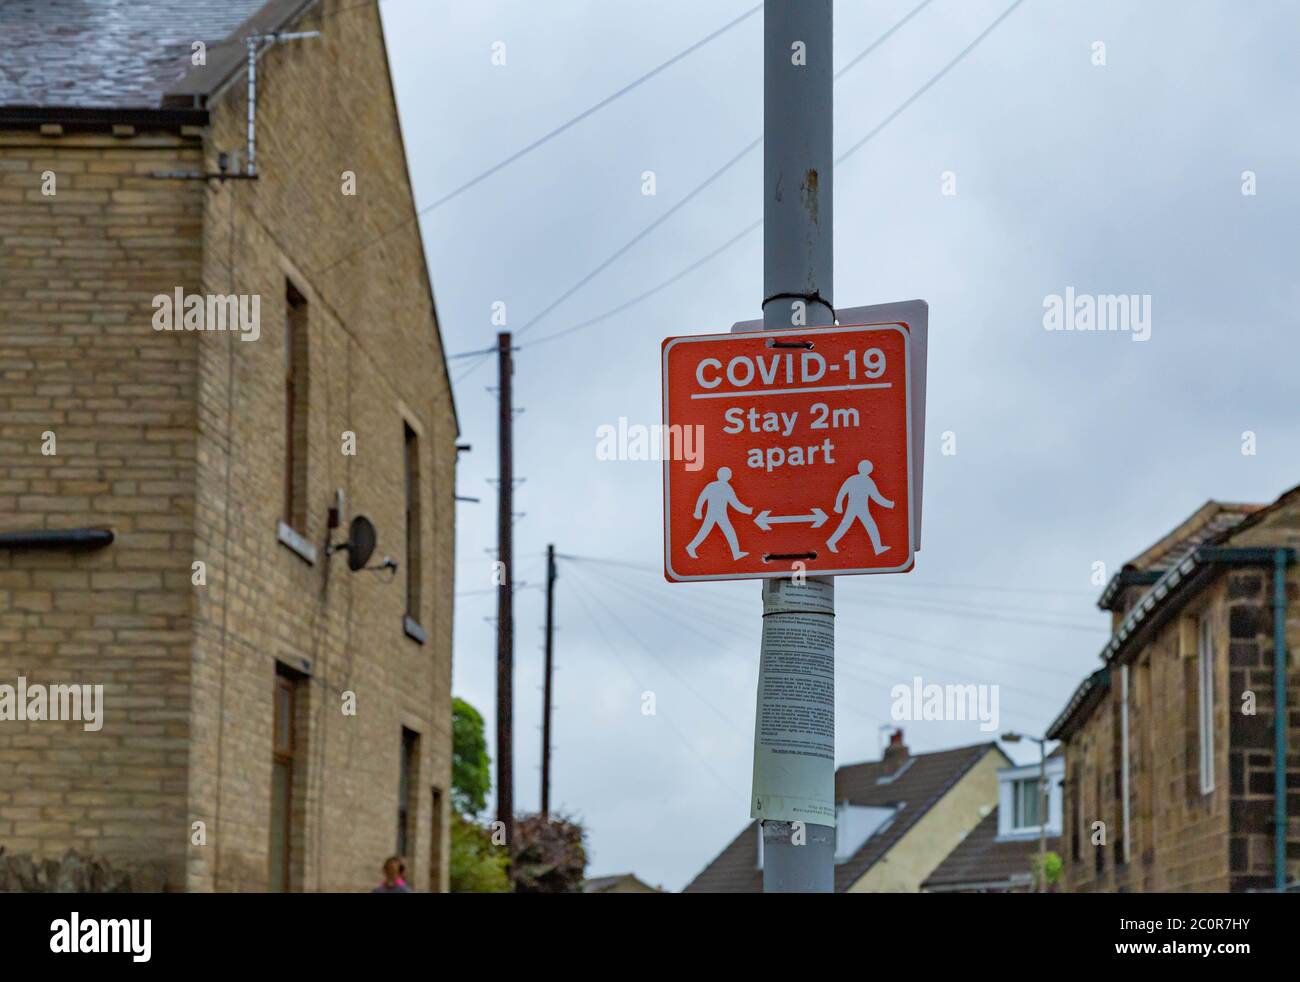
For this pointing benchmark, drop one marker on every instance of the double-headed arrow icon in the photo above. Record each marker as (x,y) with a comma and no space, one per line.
(765,519)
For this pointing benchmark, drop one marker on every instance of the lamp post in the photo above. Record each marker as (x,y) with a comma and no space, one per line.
(1014,737)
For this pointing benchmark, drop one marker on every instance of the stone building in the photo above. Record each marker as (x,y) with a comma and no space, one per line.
(271,719)
(1172,780)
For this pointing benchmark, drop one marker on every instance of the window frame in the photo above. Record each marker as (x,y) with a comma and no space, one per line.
(1017,804)
(435,841)
(283,757)
(296,381)
(414,520)
(408,780)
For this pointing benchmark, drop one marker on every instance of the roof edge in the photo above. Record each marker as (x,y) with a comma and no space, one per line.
(1086,696)
(1126,577)
(1168,596)
(1196,520)
(929,753)
(101,118)
(196,86)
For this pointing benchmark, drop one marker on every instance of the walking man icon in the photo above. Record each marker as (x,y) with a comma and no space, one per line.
(718,496)
(860,490)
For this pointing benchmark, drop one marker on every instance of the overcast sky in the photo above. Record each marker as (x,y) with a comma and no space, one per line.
(1070,448)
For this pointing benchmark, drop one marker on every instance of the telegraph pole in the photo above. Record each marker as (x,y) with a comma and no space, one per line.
(505,592)
(546,686)
(798,267)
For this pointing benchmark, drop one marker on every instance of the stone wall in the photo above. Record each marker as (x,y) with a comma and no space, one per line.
(79,360)
(176,442)
(373,365)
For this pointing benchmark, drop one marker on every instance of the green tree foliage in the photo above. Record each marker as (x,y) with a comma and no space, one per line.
(549,856)
(471,771)
(477,866)
(1048,868)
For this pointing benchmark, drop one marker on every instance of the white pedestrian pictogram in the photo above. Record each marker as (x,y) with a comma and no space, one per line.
(860,490)
(718,496)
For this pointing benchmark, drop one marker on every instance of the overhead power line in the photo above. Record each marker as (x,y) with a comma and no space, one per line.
(908,662)
(716,611)
(567,124)
(753,227)
(654,657)
(934,79)
(905,583)
(708,181)
(613,649)
(546,138)
(843,157)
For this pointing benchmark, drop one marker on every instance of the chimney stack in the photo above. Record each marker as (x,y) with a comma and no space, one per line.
(896,754)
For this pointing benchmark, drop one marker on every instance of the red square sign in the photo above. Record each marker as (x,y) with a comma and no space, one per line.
(787,447)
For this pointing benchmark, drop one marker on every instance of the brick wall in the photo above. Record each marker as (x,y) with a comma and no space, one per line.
(1252,594)
(1177,837)
(177,442)
(78,358)
(1183,839)
(374,363)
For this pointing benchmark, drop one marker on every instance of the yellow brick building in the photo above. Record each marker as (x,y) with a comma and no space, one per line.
(270,718)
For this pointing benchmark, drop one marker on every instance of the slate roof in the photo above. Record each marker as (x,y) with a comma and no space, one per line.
(918,788)
(1209,523)
(609,884)
(109,54)
(981,861)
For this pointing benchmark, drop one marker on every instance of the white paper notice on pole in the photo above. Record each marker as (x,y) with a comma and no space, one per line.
(794,725)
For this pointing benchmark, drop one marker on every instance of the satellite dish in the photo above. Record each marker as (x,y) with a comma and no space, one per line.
(361,542)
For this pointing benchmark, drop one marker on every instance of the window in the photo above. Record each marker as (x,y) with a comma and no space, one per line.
(1205,671)
(412,455)
(1098,852)
(855,824)
(1026,802)
(284,758)
(295,409)
(1076,825)
(406,785)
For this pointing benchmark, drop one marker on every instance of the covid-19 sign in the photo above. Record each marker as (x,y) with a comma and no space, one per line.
(802,453)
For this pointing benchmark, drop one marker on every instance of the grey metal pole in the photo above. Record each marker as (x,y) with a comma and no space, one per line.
(798,164)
